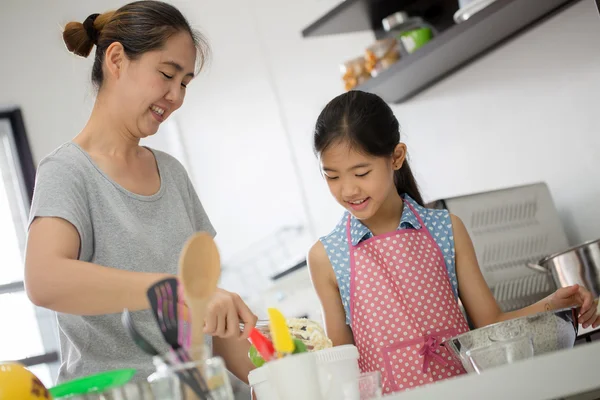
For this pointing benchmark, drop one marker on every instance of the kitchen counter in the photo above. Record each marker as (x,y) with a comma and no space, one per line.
(569,374)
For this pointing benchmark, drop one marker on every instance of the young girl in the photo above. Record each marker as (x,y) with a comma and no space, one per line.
(390,274)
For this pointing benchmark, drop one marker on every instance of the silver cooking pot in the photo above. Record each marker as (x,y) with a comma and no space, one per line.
(577,265)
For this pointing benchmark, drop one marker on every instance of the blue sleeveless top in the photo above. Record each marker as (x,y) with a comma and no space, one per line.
(437,222)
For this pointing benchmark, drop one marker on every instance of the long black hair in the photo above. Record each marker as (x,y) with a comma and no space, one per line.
(368,124)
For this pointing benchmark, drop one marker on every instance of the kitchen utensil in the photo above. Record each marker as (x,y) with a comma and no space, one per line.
(149,349)
(282,339)
(199,268)
(17,382)
(262,344)
(577,265)
(164,301)
(550,331)
(163,297)
(214,370)
(96,383)
(501,352)
(137,337)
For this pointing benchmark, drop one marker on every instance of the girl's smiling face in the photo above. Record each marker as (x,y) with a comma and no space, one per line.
(361,183)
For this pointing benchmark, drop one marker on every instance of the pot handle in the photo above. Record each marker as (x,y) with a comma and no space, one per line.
(537,268)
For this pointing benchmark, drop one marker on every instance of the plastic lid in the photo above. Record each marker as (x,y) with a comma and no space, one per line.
(392,21)
(93,383)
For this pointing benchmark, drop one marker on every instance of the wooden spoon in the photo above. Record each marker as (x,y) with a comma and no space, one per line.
(199,271)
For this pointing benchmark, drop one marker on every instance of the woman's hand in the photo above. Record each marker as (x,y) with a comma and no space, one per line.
(225,312)
(577,296)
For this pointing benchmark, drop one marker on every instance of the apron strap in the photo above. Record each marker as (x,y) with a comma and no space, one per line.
(414,212)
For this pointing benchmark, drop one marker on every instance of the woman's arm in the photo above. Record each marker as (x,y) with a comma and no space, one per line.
(481,305)
(325,284)
(55,279)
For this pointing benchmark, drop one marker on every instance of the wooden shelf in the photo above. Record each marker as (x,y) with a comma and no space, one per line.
(453,48)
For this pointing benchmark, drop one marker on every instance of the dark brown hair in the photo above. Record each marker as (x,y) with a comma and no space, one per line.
(367,124)
(140,27)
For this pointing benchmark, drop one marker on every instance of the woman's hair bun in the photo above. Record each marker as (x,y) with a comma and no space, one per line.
(80,38)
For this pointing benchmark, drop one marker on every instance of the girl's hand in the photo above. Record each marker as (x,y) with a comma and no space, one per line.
(577,296)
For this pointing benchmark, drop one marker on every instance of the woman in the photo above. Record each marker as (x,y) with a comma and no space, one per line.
(110,217)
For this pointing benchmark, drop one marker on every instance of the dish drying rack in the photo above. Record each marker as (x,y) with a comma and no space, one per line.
(253,270)
(510,228)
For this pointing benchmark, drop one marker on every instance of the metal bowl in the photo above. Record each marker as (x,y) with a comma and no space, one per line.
(550,331)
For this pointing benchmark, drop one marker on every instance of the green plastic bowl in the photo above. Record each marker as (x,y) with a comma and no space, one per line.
(96,383)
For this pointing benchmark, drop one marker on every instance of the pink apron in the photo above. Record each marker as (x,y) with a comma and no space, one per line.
(403,308)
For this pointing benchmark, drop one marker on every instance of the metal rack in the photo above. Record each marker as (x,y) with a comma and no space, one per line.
(254,268)
(510,228)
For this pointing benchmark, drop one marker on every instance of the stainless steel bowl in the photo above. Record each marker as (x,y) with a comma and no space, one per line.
(550,331)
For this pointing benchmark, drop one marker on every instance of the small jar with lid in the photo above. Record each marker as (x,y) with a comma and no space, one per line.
(411,32)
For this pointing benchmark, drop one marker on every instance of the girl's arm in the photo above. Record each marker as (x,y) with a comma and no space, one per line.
(325,284)
(234,352)
(481,305)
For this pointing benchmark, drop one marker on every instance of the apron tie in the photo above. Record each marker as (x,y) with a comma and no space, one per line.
(428,351)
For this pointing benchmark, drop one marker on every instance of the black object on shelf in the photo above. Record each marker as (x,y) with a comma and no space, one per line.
(453,48)
(460,45)
(365,15)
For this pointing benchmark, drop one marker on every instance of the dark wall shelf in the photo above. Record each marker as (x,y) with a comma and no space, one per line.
(364,15)
(453,48)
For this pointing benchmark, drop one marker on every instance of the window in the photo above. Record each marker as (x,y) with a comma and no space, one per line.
(33,339)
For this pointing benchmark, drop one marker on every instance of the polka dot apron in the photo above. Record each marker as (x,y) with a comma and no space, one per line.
(403,308)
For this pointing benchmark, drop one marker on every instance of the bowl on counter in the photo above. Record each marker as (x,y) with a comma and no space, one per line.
(548,331)
(336,367)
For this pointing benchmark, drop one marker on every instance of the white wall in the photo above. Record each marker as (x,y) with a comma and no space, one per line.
(526,112)
(523,113)
(236,151)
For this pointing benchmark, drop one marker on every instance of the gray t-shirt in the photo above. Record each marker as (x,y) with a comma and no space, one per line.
(118,229)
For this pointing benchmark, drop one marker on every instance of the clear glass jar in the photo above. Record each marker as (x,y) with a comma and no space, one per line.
(166,383)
